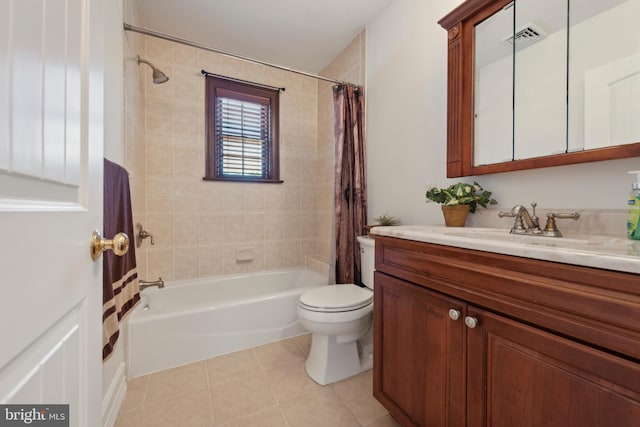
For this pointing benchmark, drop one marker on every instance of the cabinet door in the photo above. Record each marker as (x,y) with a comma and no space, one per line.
(521,376)
(418,360)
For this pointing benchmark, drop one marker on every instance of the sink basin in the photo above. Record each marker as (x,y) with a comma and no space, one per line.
(569,241)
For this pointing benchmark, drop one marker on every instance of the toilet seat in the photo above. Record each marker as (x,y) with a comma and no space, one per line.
(336,298)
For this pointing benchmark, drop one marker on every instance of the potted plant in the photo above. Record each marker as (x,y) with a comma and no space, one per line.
(382,220)
(458,200)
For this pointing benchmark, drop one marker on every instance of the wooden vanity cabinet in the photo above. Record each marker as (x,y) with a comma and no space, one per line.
(470,338)
(420,377)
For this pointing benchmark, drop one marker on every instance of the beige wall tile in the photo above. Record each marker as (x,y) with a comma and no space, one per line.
(229,263)
(166,141)
(158,141)
(159,116)
(211,197)
(211,229)
(254,198)
(188,163)
(308,247)
(273,198)
(186,56)
(291,198)
(254,225)
(257,263)
(161,226)
(186,229)
(159,162)
(187,263)
(160,196)
(234,228)
(210,261)
(160,264)
(273,255)
(273,227)
(291,253)
(291,226)
(186,196)
(232,197)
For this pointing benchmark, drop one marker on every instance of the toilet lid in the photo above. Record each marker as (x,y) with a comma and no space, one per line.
(336,298)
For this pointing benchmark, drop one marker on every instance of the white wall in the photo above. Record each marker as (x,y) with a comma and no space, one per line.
(406,129)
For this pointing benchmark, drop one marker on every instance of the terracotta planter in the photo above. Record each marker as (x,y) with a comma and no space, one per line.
(455,216)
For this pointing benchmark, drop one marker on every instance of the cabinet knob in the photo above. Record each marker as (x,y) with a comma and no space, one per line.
(454,314)
(471,322)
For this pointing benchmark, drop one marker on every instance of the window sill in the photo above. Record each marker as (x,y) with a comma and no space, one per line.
(248,180)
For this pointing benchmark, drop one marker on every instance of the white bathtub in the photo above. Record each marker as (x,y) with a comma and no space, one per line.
(199,319)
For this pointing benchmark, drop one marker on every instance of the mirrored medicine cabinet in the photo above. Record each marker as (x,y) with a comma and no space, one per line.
(537,83)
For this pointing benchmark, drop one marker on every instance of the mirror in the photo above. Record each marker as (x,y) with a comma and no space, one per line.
(493,100)
(604,73)
(536,83)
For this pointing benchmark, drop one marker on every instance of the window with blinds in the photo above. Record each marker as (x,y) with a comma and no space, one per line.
(242,142)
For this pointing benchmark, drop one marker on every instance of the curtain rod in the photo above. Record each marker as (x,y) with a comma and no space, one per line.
(233,79)
(152,33)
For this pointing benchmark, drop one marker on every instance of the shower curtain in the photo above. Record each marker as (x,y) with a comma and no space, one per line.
(350,185)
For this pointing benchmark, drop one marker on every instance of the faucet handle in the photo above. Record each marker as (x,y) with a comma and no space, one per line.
(535,219)
(143,234)
(551,229)
(518,225)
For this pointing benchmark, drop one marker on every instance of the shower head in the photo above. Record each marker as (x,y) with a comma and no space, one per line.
(158,76)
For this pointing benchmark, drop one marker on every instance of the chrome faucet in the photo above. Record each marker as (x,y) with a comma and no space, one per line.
(522,216)
(145,284)
(143,234)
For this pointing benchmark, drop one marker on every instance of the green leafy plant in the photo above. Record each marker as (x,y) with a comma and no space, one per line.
(461,193)
(386,220)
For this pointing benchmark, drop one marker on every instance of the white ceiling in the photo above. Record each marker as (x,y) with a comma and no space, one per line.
(300,34)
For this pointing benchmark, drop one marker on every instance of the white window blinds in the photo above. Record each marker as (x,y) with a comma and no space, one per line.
(243,134)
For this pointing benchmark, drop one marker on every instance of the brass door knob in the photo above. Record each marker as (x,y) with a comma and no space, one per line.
(119,244)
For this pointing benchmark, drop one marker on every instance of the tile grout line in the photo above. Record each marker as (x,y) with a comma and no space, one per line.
(206,373)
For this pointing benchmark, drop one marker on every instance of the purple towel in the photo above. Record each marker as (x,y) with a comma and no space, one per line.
(121,290)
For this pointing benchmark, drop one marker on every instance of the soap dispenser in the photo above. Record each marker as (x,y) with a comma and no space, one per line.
(633,206)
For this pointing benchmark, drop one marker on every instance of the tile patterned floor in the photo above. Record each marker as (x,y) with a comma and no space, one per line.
(266,386)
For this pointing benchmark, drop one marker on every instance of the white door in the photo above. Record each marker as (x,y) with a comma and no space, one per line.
(51,150)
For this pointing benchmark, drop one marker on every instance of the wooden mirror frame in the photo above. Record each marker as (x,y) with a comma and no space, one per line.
(460,24)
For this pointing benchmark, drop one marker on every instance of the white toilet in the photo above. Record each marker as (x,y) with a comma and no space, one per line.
(339,318)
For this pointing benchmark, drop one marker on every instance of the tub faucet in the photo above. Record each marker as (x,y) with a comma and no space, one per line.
(144,284)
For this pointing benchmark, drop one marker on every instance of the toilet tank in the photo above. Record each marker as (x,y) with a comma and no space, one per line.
(367,260)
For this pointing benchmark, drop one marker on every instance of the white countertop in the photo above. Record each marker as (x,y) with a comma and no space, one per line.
(599,251)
